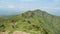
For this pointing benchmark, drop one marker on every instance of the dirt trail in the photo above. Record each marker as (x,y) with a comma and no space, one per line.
(20,32)
(4,32)
(15,32)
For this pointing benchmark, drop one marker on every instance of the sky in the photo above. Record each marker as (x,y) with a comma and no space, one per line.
(51,6)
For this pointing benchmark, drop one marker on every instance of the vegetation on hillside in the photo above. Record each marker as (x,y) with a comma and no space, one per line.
(34,22)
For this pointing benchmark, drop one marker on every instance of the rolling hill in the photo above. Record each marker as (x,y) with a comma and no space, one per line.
(34,22)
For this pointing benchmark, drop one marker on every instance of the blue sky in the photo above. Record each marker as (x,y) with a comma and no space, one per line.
(47,5)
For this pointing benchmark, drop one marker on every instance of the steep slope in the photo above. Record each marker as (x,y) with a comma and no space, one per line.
(34,22)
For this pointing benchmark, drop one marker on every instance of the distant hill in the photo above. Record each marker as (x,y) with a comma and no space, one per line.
(5,12)
(34,22)
(55,12)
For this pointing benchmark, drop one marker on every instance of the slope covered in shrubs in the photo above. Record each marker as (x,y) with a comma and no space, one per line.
(34,22)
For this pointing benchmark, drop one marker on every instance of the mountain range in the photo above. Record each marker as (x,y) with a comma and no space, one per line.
(5,12)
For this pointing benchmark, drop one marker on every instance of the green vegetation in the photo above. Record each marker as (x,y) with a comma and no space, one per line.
(34,22)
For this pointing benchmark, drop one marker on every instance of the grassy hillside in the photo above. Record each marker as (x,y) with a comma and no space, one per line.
(34,22)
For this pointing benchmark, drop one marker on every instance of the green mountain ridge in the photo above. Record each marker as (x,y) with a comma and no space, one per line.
(34,22)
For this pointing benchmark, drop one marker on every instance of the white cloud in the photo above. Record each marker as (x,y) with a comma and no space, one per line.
(33,8)
(11,6)
(29,8)
(52,8)
(48,8)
